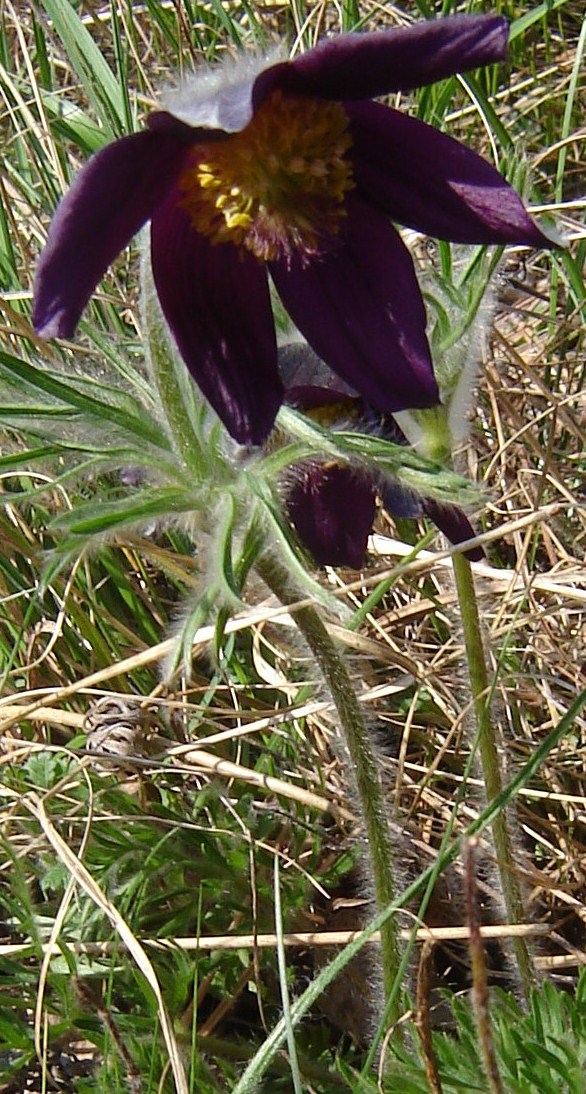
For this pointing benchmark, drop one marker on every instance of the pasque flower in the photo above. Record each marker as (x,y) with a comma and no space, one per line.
(290,168)
(332,505)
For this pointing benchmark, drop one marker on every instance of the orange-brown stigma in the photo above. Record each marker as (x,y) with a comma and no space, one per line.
(277,187)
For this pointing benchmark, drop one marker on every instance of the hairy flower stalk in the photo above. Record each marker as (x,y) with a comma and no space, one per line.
(365,766)
(491,764)
(438,432)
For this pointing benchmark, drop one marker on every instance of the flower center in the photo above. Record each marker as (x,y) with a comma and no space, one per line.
(278,186)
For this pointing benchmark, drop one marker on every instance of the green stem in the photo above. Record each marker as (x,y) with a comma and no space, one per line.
(491,767)
(365,766)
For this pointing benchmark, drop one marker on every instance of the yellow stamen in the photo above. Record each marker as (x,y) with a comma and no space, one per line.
(279,185)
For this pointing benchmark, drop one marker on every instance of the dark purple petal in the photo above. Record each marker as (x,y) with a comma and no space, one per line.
(110,199)
(399,501)
(215,298)
(360,308)
(431,182)
(332,509)
(454,523)
(360,66)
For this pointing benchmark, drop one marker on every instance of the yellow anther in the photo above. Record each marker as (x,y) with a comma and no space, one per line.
(279,185)
(238,220)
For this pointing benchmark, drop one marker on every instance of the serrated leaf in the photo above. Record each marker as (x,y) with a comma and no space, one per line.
(102,516)
(43,380)
(28,456)
(13,412)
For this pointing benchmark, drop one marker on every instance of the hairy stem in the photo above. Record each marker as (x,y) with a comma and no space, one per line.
(491,765)
(365,766)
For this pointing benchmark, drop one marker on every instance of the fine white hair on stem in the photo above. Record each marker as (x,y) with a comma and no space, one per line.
(463,394)
(220,96)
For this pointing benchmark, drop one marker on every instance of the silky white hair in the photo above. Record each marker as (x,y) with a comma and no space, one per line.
(220,96)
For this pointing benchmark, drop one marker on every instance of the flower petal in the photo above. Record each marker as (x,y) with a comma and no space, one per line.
(360,308)
(453,522)
(110,199)
(399,501)
(332,510)
(215,298)
(430,182)
(360,66)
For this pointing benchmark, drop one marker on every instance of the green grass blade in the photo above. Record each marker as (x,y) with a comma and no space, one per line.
(521,25)
(93,70)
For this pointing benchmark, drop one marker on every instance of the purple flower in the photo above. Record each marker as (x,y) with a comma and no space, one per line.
(332,508)
(331,505)
(290,168)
